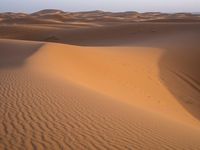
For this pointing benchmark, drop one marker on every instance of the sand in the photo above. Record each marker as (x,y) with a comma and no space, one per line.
(109,90)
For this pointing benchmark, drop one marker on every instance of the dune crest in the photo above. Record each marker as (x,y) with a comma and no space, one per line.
(129,74)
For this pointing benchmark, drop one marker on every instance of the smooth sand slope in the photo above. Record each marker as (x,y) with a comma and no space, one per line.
(56,96)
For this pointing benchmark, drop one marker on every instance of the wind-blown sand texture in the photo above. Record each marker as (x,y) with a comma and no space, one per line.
(122,86)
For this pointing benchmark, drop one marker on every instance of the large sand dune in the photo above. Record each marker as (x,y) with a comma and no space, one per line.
(62,96)
(110,85)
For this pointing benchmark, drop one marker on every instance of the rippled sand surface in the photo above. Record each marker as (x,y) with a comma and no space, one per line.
(40,111)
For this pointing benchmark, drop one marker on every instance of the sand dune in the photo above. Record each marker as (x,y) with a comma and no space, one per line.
(94,16)
(87,105)
(94,35)
(130,74)
(123,80)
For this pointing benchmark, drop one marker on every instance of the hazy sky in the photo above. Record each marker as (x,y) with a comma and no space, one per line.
(107,5)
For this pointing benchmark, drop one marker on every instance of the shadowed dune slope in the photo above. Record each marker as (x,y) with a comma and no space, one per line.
(69,97)
(15,54)
(87,34)
(180,73)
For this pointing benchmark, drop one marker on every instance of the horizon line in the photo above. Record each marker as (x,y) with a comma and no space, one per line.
(92,10)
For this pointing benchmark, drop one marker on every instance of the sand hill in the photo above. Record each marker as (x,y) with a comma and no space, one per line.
(100,85)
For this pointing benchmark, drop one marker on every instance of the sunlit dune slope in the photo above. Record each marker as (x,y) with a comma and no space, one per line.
(68,97)
(129,74)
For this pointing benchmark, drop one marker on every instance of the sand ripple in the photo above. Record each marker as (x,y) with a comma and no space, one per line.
(40,114)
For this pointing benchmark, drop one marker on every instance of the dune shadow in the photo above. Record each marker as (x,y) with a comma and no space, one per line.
(180,73)
(106,35)
(14,54)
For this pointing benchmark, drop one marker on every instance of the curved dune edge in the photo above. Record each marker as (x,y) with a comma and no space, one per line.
(128,74)
(57,111)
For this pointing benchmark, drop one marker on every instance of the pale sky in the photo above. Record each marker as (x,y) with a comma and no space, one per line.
(106,5)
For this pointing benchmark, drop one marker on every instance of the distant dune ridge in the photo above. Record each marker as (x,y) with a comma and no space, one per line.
(98,16)
(99,80)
